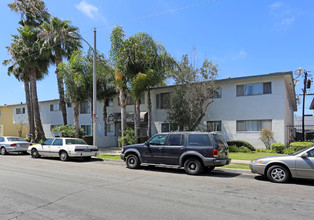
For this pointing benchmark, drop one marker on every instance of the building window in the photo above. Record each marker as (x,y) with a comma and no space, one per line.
(20,111)
(254,125)
(218,94)
(130,100)
(109,102)
(54,107)
(254,89)
(213,125)
(110,128)
(87,130)
(85,108)
(163,100)
(167,127)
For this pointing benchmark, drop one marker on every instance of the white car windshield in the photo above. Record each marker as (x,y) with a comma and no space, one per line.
(15,139)
(300,151)
(74,141)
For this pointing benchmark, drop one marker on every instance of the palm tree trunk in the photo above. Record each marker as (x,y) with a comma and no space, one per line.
(61,93)
(76,120)
(136,119)
(123,112)
(30,112)
(105,116)
(34,98)
(149,113)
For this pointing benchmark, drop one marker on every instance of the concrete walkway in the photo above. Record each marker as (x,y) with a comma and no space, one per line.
(117,151)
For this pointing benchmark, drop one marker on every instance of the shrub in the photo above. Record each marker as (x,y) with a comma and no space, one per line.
(267,137)
(296,146)
(278,147)
(266,151)
(288,150)
(234,148)
(241,144)
(129,137)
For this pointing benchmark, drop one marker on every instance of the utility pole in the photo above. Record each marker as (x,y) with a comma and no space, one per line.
(94,93)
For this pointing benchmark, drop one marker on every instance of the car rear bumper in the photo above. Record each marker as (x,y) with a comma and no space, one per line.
(83,154)
(208,162)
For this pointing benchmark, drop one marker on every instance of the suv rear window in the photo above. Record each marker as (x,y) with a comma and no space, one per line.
(199,140)
(175,139)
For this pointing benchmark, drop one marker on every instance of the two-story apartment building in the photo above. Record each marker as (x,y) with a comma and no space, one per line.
(242,107)
(7,128)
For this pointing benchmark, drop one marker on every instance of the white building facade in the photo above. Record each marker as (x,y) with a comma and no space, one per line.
(243,107)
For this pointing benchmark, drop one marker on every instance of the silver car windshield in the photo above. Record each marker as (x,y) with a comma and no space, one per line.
(15,139)
(300,151)
(74,141)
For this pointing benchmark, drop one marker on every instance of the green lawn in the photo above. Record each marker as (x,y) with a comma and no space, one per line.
(109,156)
(238,166)
(248,156)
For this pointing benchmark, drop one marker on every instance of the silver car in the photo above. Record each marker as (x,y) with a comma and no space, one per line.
(281,168)
(13,144)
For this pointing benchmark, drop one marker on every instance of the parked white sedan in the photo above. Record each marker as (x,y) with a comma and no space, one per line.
(13,144)
(63,148)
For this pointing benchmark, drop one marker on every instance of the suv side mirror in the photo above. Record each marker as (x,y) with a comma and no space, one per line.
(146,143)
(304,155)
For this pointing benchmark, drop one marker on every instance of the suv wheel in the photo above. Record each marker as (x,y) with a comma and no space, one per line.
(132,161)
(193,166)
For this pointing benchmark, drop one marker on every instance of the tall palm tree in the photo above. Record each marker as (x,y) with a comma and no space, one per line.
(28,56)
(75,79)
(34,61)
(63,39)
(33,12)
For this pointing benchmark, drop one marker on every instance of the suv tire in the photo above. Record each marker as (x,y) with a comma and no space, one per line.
(132,161)
(193,166)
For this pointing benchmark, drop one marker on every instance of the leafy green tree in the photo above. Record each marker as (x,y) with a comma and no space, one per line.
(63,39)
(194,92)
(76,79)
(65,130)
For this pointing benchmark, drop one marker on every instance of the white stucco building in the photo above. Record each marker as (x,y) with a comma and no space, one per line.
(243,106)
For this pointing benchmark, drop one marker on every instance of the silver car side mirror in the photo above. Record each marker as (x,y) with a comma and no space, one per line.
(304,155)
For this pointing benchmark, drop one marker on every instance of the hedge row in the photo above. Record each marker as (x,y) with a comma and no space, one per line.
(241,144)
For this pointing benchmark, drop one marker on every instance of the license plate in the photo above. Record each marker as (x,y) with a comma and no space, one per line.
(86,150)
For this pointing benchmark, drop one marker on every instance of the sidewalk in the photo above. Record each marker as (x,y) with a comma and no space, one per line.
(117,151)
(110,150)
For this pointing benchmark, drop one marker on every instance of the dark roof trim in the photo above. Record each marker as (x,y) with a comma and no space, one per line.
(15,105)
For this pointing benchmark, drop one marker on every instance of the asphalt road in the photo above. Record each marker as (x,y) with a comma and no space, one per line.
(50,189)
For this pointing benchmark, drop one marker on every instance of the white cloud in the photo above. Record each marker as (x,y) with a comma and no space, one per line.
(240,55)
(87,9)
(283,15)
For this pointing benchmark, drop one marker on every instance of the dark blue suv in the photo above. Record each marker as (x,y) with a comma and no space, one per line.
(195,151)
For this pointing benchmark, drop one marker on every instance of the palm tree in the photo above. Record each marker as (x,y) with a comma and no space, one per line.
(106,88)
(59,36)
(35,62)
(76,78)
(28,55)
(33,12)
(21,75)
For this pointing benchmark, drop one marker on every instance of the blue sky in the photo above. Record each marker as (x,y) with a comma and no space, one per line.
(245,37)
